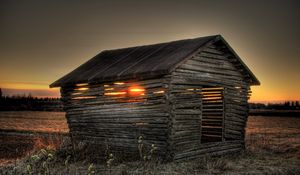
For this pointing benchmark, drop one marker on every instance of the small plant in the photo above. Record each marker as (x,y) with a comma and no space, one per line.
(152,150)
(140,146)
(146,157)
(67,163)
(35,158)
(29,169)
(91,169)
(31,166)
(49,157)
(109,162)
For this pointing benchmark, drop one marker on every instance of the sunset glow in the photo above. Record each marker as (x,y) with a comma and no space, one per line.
(264,94)
(136,91)
(109,89)
(159,92)
(82,84)
(114,93)
(82,89)
(119,83)
(24,85)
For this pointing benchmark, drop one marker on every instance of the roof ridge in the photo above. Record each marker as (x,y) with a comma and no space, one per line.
(166,42)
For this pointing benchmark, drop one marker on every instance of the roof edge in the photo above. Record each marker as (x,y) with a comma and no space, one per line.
(210,40)
(255,81)
(57,83)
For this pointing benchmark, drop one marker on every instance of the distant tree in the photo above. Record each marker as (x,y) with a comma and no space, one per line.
(29,96)
(286,103)
(0,93)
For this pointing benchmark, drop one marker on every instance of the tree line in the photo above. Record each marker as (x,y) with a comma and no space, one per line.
(287,105)
(28,102)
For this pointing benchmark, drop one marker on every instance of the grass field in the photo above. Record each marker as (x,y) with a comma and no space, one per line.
(272,147)
(22,132)
(35,121)
(282,133)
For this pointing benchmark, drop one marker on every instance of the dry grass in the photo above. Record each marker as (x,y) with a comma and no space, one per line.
(15,147)
(259,158)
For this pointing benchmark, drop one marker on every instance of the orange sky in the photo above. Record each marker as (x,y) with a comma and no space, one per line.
(42,41)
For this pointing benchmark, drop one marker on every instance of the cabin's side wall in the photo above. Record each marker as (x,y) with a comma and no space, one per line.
(209,68)
(107,114)
(185,110)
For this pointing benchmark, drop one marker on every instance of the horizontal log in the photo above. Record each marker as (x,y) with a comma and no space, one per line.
(206,151)
(209,76)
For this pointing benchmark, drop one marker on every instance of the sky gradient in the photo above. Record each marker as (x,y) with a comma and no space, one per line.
(40,41)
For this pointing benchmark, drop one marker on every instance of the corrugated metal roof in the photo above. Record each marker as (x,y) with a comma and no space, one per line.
(142,61)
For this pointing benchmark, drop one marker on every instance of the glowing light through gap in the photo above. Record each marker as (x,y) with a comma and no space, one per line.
(115,93)
(133,90)
(82,89)
(159,92)
(141,123)
(82,84)
(76,93)
(119,83)
(136,91)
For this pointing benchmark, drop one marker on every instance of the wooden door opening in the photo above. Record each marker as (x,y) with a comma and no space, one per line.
(212,123)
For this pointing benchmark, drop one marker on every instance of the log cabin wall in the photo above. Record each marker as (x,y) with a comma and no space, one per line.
(208,95)
(115,114)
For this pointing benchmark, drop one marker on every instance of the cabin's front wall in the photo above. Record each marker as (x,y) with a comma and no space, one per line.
(194,100)
(115,114)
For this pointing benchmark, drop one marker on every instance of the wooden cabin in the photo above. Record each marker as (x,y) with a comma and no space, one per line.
(188,97)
